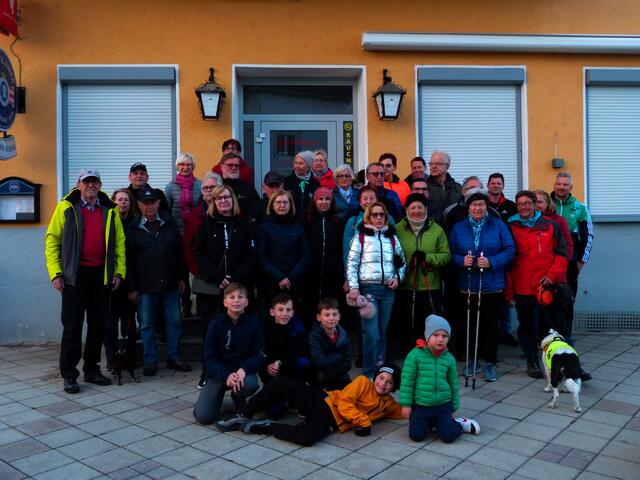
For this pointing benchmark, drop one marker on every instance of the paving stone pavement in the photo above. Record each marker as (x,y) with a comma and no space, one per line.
(146,430)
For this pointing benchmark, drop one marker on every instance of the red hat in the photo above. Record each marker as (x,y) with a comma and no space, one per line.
(322,191)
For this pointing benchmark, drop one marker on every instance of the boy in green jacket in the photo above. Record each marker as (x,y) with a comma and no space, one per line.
(429,387)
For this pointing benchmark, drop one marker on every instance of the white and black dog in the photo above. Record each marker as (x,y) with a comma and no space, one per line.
(562,368)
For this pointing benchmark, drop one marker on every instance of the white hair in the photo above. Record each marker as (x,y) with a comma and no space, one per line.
(341,168)
(216,177)
(185,157)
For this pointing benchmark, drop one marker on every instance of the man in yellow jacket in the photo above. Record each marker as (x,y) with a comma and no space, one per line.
(84,248)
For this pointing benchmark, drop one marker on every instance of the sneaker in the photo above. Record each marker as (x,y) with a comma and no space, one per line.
(585,376)
(298,413)
(533,368)
(71,385)
(257,426)
(470,367)
(490,374)
(96,378)
(234,422)
(468,425)
(202,382)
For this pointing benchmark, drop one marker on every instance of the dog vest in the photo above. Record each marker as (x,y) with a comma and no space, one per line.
(557,345)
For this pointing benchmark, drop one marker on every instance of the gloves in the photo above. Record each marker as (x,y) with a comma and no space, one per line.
(419,256)
(363,431)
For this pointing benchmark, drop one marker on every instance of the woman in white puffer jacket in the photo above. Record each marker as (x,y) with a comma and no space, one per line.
(375,268)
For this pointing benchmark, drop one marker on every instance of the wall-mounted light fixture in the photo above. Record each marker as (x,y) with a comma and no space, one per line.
(388,98)
(210,96)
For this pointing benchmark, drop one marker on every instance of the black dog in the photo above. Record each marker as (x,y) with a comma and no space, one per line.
(122,360)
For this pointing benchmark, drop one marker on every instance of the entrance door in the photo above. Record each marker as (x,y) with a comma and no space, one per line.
(280,141)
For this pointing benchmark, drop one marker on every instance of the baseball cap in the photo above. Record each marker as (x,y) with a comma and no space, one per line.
(272,178)
(150,194)
(138,166)
(88,173)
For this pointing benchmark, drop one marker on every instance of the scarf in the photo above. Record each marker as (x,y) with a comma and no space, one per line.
(476,227)
(304,181)
(186,194)
(527,222)
(416,225)
(346,194)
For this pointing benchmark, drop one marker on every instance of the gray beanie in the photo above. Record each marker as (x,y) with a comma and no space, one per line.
(306,155)
(433,323)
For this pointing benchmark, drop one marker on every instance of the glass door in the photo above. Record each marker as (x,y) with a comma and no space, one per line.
(280,141)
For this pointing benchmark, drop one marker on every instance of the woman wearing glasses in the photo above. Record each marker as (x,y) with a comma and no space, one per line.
(345,196)
(283,250)
(375,268)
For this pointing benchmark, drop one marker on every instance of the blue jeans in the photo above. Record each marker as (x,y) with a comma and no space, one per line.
(374,330)
(423,418)
(147,311)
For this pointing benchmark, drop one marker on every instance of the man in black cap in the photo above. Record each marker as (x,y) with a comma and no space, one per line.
(245,193)
(139,181)
(273,182)
(157,277)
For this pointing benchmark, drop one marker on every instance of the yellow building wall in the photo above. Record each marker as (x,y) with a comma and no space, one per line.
(198,34)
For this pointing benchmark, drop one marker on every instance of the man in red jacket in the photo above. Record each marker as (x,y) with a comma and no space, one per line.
(541,259)
(233,146)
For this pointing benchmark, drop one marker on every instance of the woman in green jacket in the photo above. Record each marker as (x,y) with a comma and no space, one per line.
(426,249)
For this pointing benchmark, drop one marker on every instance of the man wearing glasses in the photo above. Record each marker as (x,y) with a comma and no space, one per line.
(375,178)
(84,248)
(443,189)
(245,193)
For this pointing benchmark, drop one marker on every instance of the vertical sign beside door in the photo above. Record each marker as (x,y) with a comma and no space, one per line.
(347,142)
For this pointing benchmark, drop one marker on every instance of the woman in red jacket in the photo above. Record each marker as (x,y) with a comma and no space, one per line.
(541,259)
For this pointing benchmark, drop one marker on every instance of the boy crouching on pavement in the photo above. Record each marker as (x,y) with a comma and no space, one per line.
(356,407)
(233,354)
(429,389)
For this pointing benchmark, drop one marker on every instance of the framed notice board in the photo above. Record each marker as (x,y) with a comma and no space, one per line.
(19,201)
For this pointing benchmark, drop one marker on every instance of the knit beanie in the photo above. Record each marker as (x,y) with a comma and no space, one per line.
(393,370)
(415,197)
(322,191)
(433,323)
(475,194)
(306,155)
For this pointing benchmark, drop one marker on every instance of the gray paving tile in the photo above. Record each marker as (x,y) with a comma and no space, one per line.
(219,446)
(153,446)
(628,436)
(21,449)
(40,427)
(288,468)
(431,463)
(190,433)
(517,444)
(623,451)
(549,419)
(496,458)
(361,466)
(468,470)
(86,448)
(163,423)
(327,473)
(145,466)
(280,445)
(321,453)
(102,425)
(160,472)
(183,458)
(95,399)
(41,462)
(9,435)
(388,450)
(593,428)
(42,400)
(524,401)
(112,460)
(74,471)
(394,472)
(586,442)
(83,415)
(592,476)
(26,416)
(252,455)
(63,437)
(124,474)
(118,406)
(496,422)
(617,407)
(463,448)
(537,469)
(352,442)
(217,468)
(619,468)
(138,415)
(535,431)
(127,435)
(7,472)
(608,418)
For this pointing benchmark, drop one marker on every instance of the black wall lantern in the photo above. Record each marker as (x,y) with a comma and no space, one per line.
(388,98)
(210,96)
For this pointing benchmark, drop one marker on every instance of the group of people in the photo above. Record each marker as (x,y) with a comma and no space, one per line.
(385,251)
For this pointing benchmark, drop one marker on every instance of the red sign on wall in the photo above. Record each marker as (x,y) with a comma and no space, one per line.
(9,17)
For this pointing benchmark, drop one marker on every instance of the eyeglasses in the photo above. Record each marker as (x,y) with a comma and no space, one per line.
(232,165)
(438,164)
(377,174)
(184,164)
(223,198)
(524,204)
(208,188)
(344,175)
(281,202)
(378,214)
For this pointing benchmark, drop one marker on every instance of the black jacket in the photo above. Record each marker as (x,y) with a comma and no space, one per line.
(229,346)
(301,198)
(283,250)
(245,194)
(441,196)
(324,235)
(223,246)
(164,205)
(324,353)
(154,264)
(286,343)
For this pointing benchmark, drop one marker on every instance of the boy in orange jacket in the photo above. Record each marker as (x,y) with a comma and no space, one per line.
(356,406)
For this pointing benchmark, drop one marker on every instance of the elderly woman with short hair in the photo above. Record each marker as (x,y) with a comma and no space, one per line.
(302,184)
(183,193)
(344,195)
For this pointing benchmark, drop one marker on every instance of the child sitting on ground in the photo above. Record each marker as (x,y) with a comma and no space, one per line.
(357,406)
(287,348)
(429,389)
(233,354)
(330,348)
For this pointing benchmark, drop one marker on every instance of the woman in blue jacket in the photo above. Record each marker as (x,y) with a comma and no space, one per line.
(283,250)
(482,248)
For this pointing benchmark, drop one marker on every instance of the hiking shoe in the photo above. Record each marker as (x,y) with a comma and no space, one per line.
(585,376)
(533,369)
(178,365)
(470,367)
(508,339)
(71,385)
(202,382)
(96,378)
(257,426)
(490,374)
(468,425)
(234,422)
(298,413)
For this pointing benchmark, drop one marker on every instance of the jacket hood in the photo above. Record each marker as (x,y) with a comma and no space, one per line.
(74,197)
(389,232)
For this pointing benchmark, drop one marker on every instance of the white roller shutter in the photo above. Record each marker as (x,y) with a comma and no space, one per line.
(613,150)
(477,125)
(110,127)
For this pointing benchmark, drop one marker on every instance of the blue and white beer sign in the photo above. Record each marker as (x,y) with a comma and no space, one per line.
(8,106)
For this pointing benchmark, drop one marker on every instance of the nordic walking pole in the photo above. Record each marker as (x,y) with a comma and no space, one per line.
(423,267)
(413,297)
(466,366)
(475,351)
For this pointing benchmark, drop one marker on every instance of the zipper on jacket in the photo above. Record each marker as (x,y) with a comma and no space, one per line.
(226,247)
(381,257)
(539,246)
(324,243)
